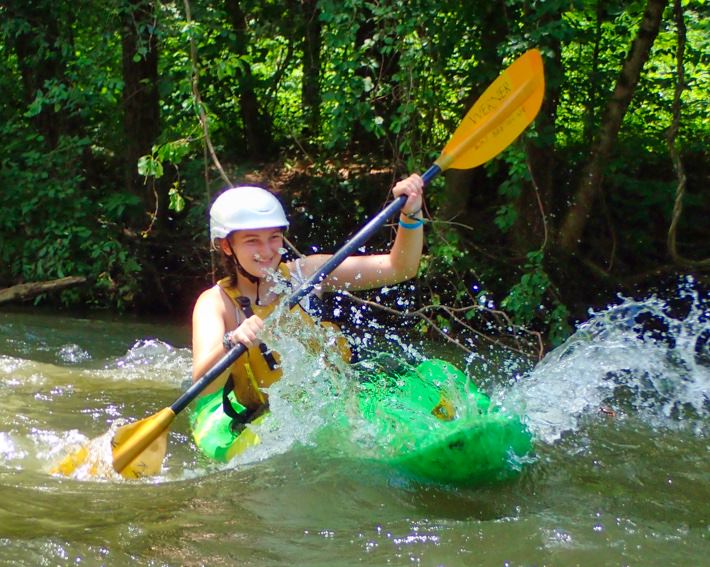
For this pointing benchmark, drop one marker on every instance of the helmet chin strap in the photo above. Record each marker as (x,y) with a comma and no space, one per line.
(251,277)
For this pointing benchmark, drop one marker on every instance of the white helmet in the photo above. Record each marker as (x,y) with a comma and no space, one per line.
(245,207)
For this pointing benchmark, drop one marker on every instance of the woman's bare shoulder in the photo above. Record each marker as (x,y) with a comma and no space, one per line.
(212,299)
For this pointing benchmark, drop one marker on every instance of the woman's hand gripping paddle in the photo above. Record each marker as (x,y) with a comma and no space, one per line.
(497,118)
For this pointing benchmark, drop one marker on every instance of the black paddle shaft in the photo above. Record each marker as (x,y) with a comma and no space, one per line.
(363,235)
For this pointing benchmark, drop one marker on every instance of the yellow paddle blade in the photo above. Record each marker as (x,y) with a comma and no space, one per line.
(71,462)
(499,116)
(139,448)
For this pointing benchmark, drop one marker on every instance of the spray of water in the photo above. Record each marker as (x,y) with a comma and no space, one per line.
(646,358)
(311,367)
(149,362)
(315,377)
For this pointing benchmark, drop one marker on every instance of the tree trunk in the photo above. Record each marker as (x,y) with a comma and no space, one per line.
(592,102)
(42,46)
(33,289)
(573,225)
(378,75)
(310,90)
(461,199)
(257,122)
(141,111)
(366,29)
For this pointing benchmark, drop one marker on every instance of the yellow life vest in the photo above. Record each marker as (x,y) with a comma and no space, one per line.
(251,371)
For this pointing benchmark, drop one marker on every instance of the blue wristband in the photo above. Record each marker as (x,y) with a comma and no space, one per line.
(411,225)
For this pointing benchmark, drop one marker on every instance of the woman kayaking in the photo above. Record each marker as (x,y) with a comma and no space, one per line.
(247,226)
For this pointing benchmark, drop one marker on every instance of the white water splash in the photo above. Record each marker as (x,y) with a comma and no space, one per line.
(94,457)
(637,358)
(153,360)
(301,402)
(73,354)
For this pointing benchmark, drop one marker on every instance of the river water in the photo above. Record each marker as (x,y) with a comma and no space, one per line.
(620,475)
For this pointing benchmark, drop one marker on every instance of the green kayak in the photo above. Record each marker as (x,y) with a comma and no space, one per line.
(429,421)
(433,423)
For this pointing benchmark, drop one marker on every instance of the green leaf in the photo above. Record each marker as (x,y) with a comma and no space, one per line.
(176,200)
(150,166)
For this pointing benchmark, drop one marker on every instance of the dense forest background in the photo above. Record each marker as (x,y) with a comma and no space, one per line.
(120,121)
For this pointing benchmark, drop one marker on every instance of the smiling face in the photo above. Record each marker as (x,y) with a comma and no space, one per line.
(258,250)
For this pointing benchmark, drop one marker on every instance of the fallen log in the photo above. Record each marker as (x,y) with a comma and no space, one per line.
(28,290)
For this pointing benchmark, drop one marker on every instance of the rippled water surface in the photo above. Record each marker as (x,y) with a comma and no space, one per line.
(620,475)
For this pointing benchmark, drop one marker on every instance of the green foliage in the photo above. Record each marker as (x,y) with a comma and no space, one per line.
(177,201)
(395,79)
(52,228)
(511,188)
(62,213)
(527,298)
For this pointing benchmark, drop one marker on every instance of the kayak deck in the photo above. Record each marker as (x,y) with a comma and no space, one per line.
(433,423)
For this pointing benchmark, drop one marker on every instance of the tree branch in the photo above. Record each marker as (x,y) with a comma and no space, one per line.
(32,289)
(454,314)
(572,229)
